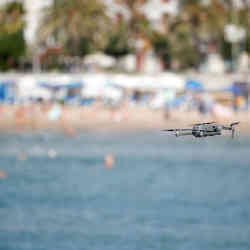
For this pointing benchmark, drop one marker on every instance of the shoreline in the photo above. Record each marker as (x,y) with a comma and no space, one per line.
(71,120)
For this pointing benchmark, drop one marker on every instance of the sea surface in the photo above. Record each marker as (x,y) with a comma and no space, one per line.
(163,192)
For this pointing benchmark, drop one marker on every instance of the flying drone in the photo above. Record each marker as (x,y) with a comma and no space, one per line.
(204,129)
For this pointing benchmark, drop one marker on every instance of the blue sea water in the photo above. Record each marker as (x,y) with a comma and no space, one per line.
(163,193)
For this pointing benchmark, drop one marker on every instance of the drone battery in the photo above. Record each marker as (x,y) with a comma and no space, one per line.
(181,133)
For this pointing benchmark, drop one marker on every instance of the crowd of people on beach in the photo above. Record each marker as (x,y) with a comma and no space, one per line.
(73,106)
(46,114)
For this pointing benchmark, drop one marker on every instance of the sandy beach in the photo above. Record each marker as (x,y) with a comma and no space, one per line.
(70,119)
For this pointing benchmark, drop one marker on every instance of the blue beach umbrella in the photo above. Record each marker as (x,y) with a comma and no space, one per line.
(7,91)
(58,86)
(194,86)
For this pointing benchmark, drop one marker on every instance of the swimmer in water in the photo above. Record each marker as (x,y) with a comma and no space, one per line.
(2,175)
(109,160)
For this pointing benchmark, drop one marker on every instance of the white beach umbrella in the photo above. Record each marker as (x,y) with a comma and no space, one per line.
(171,81)
(93,84)
(94,79)
(145,82)
(112,93)
(125,81)
(164,80)
(28,88)
(92,91)
(53,79)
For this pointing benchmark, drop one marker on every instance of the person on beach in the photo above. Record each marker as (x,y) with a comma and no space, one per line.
(204,103)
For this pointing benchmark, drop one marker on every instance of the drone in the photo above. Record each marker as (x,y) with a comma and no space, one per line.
(204,129)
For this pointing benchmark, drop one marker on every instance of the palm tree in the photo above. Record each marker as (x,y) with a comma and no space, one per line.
(72,23)
(139,29)
(199,25)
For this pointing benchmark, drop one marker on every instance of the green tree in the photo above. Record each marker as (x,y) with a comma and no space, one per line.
(162,48)
(197,25)
(138,24)
(79,26)
(12,42)
(118,44)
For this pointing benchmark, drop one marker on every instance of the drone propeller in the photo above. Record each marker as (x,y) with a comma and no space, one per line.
(169,130)
(204,123)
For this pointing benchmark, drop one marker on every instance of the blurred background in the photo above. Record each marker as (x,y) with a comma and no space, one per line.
(116,59)
(86,87)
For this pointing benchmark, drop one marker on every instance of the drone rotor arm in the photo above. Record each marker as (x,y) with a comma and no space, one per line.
(231,128)
(234,124)
(204,123)
(177,130)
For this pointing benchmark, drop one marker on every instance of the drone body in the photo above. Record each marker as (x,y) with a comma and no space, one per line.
(204,129)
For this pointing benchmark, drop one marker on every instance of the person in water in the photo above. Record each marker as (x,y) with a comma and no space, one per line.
(3,175)
(109,160)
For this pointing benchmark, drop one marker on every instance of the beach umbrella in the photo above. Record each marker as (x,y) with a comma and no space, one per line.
(95,79)
(133,81)
(54,86)
(125,81)
(58,85)
(145,82)
(106,90)
(7,90)
(28,88)
(170,80)
(57,82)
(194,86)
(112,93)
(150,82)
(94,84)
